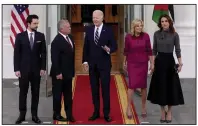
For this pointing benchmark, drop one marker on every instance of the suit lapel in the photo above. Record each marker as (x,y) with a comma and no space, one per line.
(93,32)
(35,38)
(71,40)
(65,41)
(72,46)
(102,32)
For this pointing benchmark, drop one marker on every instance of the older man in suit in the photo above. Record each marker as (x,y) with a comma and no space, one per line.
(29,66)
(98,45)
(62,70)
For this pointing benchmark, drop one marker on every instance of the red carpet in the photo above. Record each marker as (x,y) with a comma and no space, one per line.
(83,107)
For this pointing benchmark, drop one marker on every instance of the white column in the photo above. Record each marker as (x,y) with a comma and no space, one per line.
(138,11)
(52,30)
(185,26)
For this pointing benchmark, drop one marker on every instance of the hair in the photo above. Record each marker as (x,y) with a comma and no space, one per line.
(172,29)
(133,25)
(61,23)
(30,17)
(99,12)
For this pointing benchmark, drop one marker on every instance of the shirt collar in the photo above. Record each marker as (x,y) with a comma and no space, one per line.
(28,31)
(100,27)
(63,35)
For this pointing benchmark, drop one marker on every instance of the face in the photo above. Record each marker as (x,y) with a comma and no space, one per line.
(138,27)
(97,18)
(164,22)
(66,28)
(33,25)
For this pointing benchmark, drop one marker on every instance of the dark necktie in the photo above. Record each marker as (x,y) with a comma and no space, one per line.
(96,37)
(67,39)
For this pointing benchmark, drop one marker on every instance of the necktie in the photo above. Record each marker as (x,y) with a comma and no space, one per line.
(67,38)
(31,40)
(96,36)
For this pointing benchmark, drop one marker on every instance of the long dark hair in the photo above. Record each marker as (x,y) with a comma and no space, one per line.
(172,29)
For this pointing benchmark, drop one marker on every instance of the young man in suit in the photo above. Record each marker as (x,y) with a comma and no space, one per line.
(29,66)
(98,45)
(62,70)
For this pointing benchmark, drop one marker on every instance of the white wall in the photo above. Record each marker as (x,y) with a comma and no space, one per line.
(40,10)
(185,27)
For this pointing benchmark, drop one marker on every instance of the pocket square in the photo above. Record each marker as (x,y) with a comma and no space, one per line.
(38,41)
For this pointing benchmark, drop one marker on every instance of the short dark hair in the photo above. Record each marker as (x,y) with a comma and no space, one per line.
(30,17)
(172,29)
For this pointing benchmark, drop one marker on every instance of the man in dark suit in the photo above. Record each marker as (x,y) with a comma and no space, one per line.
(29,66)
(62,70)
(98,45)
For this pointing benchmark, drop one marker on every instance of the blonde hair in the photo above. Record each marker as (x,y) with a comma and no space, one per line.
(133,25)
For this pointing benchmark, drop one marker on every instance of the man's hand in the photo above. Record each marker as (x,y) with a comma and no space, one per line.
(85,67)
(107,49)
(18,73)
(59,77)
(42,72)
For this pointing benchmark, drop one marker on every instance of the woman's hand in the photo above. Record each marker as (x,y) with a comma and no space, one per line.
(151,68)
(179,68)
(125,65)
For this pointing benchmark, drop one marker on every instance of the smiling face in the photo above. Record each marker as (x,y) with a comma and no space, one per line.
(138,27)
(97,17)
(164,23)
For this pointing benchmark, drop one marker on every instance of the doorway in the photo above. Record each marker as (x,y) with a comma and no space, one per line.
(80,16)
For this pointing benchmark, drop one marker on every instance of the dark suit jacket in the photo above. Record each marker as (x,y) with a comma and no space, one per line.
(27,59)
(94,54)
(62,57)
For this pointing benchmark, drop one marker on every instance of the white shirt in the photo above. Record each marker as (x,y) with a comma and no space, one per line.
(29,34)
(66,38)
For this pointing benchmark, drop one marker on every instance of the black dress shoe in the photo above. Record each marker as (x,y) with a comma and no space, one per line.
(71,119)
(107,119)
(59,118)
(162,120)
(36,119)
(20,119)
(94,117)
(168,121)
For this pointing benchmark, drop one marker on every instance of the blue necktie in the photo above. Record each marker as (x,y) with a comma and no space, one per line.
(31,40)
(96,36)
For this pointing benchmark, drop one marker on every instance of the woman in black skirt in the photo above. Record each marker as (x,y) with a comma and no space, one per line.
(165,88)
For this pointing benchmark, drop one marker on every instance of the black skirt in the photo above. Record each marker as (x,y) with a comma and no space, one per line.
(165,87)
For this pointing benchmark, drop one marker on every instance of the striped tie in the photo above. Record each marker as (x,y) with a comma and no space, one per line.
(96,36)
